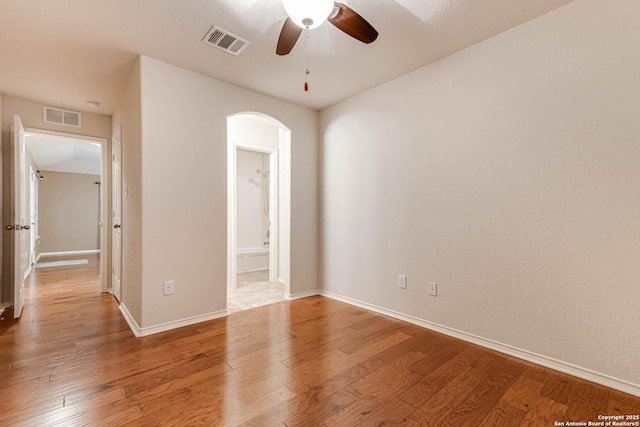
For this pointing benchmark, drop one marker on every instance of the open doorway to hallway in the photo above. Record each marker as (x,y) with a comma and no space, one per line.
(258,211)
(66,202)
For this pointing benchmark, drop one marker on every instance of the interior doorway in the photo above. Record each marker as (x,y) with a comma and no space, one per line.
(68,200)
(258,211)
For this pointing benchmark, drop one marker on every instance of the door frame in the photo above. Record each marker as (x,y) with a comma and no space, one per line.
(105,187)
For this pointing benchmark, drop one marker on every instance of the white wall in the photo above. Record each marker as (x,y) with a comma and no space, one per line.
(184,190)
(252,222)
(509,174)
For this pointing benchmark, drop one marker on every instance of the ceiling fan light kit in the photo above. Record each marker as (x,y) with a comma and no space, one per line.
(308,14)
(314,13)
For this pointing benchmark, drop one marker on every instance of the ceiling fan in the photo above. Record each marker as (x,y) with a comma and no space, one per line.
(311,14)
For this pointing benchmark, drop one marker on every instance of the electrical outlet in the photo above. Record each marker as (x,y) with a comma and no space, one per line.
(402,281)
(169,287)
(433,289)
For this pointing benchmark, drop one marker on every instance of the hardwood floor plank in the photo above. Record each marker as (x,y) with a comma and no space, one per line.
(588,400)
(428,343)
(277,414)
(622,403)
(448,397)
(316,411)
(502,415)
(381,382)
(558,388)
(430,384)
(72,360)
(370,335)
(523,393)
(351,414)
(485,395)
(392,413)
(326,385)
(544,412)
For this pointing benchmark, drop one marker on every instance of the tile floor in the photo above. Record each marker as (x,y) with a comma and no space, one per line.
(254,290)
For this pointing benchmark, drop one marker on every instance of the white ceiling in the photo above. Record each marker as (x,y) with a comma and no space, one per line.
(65,52)
(62,154)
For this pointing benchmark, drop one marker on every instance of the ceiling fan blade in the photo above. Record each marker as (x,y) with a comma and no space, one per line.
(288,37)
(353,24)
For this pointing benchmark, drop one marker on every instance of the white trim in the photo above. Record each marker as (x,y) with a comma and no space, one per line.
(549,362)
(62,253)
(133,325)
(305,294)
(150,330)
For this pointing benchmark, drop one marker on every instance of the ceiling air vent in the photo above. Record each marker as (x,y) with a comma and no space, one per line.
(62,117)
(223,39)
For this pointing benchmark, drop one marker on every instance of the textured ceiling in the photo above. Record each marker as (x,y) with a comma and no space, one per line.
(65,52)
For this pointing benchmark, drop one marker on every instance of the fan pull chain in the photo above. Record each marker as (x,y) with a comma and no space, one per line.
(306,56)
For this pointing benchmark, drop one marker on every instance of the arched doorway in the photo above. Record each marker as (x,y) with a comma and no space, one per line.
(258,202)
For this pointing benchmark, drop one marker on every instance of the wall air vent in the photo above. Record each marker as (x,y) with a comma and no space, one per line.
(62,117)
(223,39)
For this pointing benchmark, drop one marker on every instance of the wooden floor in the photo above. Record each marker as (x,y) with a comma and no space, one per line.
(71,361)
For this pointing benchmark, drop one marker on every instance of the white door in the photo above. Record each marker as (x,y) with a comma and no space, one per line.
(20,223)
(116,243)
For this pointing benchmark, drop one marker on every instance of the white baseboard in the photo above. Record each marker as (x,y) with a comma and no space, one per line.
(549,362)
(63,253)
(150,330)
(299,295)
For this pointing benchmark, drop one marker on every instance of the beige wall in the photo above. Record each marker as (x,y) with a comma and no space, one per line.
(94,125)
(127,116)
(509,174)
(68,212)
(184,188)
